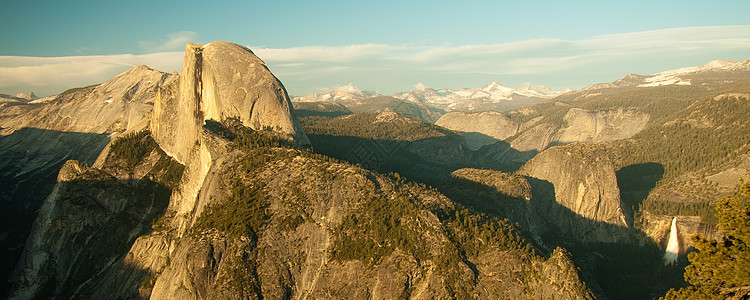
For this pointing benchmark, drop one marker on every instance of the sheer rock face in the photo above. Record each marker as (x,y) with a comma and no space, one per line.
(218,81)
(603,125)
(581,180)
(37,137)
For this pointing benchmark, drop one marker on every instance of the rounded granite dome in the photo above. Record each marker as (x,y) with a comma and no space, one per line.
(221,80)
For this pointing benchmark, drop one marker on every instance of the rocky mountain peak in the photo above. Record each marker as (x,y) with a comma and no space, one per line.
(221,80)
(629,80)
(494,86)
(30,96)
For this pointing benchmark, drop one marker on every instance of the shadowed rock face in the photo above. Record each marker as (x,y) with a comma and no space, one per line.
(221,80)
(585,187)
(481,128)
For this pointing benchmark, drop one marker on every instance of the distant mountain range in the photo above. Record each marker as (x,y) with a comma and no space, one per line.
(491,97)
(497,97)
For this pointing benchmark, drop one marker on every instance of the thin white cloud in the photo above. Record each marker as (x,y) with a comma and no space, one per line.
(173,41)
(50,75)
(390,68)
(555,54)
(324,53)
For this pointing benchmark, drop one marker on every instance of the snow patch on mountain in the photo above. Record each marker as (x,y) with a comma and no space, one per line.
(347,92)
(488,97)
(673,77)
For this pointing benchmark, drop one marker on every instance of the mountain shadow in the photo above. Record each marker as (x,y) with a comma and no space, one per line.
(424,160)
(320,109)
(636,182)
(629,268)
(30,160)
(421,160)
(83,232)
(501,156)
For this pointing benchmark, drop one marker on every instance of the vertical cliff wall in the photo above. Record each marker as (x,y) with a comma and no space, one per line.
(211,88)
(578,192)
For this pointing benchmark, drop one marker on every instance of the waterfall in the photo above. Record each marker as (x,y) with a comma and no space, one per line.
(673,247)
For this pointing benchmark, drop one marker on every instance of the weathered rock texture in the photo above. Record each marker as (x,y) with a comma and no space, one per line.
(598,126)
(83,228)
(211,88)
(119,104)
(296,259)
(580,178)
(37,137)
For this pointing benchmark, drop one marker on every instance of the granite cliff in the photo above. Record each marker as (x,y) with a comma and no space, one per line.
(209,88)
(37,137)
(479,129)
(527,137)
(576,191)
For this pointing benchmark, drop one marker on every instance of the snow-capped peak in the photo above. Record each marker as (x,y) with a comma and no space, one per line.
(714,65)
(339,93)
(672,76)
(494,86)
(420,86)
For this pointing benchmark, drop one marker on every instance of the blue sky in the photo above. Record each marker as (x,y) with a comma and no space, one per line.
(388,46)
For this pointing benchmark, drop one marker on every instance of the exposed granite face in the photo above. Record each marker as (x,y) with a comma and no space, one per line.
(578,192)
(84,227)
(490,130)
(604,125)
(119,104)
(37,137)
(297,261)
(221,80)
(310,208)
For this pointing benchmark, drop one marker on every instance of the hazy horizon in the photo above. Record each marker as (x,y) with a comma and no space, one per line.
(385,47)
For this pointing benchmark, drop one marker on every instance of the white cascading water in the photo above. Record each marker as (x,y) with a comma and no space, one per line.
(673,247)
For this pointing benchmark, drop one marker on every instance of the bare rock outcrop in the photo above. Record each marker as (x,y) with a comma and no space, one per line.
(85,225)
(37,137)
(309,246)
(598,126)
(253,217)
(578,192)
(119,104)
(210,88)
(512,143)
